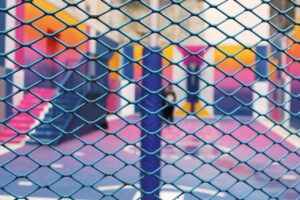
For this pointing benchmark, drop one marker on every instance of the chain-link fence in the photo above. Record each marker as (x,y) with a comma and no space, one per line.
(170,99)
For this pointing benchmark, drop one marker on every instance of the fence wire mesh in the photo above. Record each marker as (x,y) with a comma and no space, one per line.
(169,99)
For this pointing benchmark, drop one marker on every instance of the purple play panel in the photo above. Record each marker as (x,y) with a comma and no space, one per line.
(224,160)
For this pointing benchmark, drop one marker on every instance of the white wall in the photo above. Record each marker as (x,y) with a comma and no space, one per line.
(207,93)
(231,27)
(127,94)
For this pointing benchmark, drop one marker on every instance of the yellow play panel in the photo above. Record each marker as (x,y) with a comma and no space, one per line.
(187,108)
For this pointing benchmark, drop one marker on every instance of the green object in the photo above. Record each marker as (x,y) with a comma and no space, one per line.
(238,140)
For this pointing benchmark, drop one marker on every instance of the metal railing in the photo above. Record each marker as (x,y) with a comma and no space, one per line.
(232,65)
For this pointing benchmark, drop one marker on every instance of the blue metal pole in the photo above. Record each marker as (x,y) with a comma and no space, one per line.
(7,87)
(150,164)
(2,35)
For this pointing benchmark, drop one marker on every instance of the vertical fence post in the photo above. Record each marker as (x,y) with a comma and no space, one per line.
(150,163)
(2,36)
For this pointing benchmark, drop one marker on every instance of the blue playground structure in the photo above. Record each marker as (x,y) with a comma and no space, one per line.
(79,106)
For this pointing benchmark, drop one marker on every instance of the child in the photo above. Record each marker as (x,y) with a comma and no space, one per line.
(170,99)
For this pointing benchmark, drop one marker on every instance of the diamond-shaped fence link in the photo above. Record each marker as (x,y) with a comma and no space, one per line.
(150,99)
